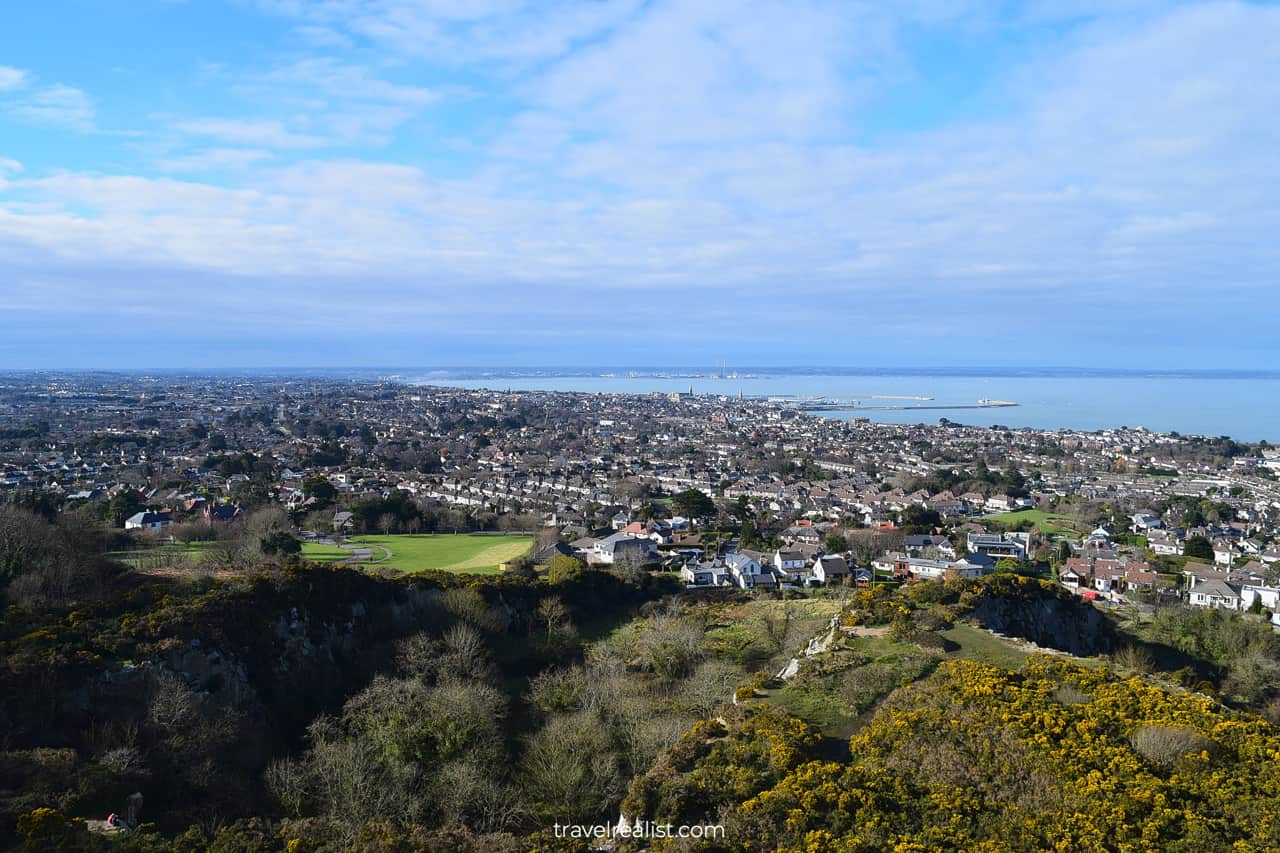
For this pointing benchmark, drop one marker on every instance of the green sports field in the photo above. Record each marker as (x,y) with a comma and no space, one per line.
(1053,524)
(324,553)
(419,552)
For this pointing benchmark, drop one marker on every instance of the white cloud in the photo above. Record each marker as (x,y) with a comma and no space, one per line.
(269,133)
(56,106)
(345,81)
(514,33)
(693,150)
(211,159)
(8,167)
(310,103)
(11,78)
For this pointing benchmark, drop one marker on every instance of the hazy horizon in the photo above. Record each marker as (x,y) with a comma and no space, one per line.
(707,370)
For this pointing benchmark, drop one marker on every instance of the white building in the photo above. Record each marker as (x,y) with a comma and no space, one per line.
(148,521)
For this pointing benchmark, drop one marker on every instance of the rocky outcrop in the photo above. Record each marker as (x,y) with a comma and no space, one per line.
(1056,622)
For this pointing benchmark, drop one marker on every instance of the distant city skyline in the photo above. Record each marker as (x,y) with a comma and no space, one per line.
(361,183)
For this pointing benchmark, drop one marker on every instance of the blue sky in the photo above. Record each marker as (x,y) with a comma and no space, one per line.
(461,182)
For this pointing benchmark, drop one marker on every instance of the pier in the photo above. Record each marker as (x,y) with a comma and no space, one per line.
(842,407)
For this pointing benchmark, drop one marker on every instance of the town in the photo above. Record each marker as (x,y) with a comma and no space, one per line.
(723,491)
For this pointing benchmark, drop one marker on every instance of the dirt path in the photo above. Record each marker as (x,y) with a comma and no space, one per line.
(865,631)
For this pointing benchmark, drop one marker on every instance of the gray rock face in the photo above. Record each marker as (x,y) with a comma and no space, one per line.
(1066,625)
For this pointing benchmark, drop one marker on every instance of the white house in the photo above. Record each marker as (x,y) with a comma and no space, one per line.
(612,548)
(788,561)
(701,574)
(1073,578)
(1145,521)
(927,545)
(148,521)
(1215,594)
(1000,545)
(1267,596)
(1164,543)
(1004,503)
(748,573)
(828,569)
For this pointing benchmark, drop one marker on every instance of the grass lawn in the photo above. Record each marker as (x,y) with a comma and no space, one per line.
(164,554)
(1050,523)
(984,647)
(449,552)
(324,553)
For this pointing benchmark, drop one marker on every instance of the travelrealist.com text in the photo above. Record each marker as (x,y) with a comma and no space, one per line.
(639,829)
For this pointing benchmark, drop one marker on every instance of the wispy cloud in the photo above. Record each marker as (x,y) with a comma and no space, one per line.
(710,157)
(56,106)
(11,78)
(510,33)
(214,159)
(312,103)
(269,133)
(343,81)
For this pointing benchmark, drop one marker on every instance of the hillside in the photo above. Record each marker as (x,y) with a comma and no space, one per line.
(319,708)
(1055,756)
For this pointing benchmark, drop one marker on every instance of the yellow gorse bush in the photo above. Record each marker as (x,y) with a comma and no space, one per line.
(976,758)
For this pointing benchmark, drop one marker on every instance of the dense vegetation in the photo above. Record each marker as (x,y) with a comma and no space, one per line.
(1057,756)
(299,707)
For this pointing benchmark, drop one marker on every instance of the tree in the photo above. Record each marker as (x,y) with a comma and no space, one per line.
(749,537)
(919,517)
(630,566)
(251,494)
(671,646)
(710,686)
(279,543)
(26,543)
(1198,546)
(562,568)
(835,543)
(319,488)
(121,506)
(570,769)
(560,633)
(692,503)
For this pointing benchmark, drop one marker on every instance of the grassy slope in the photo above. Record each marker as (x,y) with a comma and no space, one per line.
(839,703)
(982,646)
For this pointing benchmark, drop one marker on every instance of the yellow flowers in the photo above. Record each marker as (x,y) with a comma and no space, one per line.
(979,758)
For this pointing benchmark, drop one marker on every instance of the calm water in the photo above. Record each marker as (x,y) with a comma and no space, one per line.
(1245,409)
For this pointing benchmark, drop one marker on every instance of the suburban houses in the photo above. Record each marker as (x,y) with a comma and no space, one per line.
(1118,515)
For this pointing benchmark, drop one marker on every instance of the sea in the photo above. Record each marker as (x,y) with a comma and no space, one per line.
(1242,405)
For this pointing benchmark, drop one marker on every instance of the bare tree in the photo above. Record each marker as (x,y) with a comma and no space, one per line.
(671,646)
(470,796)
(560,634)
(630,566)
(570,769)
(710,686)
